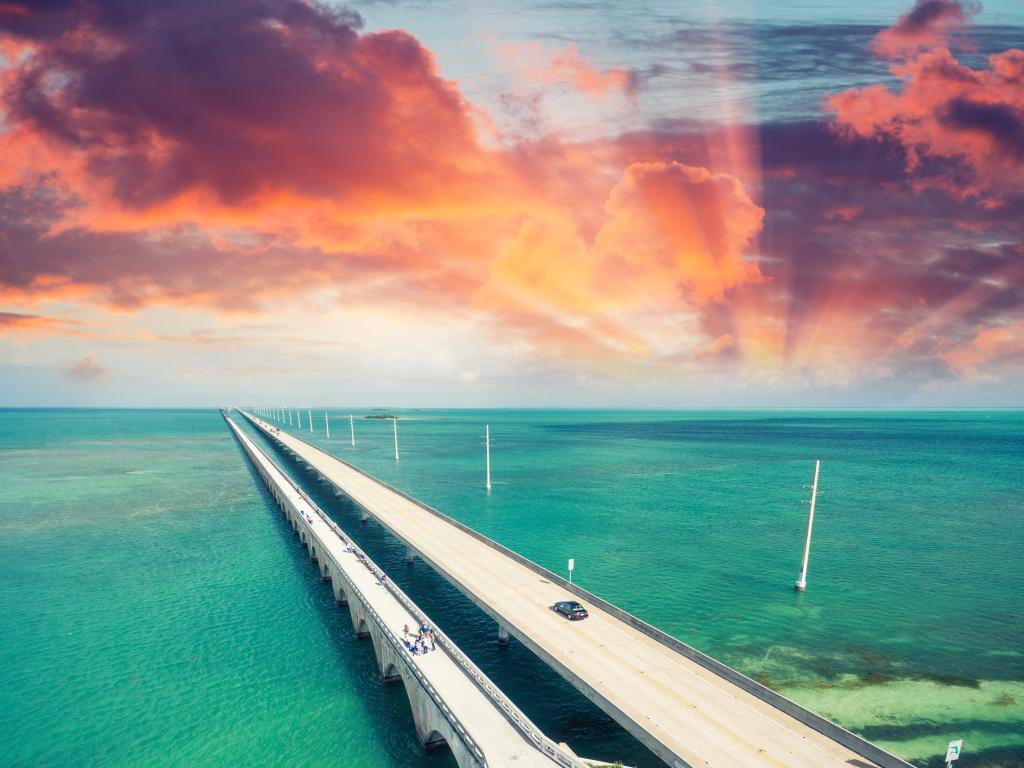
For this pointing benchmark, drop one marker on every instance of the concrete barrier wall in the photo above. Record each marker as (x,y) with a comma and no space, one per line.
(824,726)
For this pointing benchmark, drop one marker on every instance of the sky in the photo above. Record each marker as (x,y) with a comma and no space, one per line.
(434,203)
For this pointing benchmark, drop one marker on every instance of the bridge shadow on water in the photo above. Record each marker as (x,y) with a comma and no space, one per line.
(562,712)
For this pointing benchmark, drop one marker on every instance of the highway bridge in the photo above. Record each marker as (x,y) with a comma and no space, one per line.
(453,702)
(685,706)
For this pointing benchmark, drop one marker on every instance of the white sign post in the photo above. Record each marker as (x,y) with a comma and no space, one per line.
(953,751)
(572,564)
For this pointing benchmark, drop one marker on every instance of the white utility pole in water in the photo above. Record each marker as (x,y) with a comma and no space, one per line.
(289,417)
(298,417)
(801,583)
(309,412)
(487,448)
(394,425)
(327,425)
(352,428)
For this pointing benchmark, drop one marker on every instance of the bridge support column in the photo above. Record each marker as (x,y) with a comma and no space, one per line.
(409,555)
(431,728)
(360,625)
(387,661)
(364,516)
(503,636)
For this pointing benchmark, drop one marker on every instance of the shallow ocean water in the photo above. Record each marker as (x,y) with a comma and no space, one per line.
(155,609)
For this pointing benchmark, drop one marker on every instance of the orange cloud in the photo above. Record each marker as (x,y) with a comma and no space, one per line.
(684,229)
(672,234)
(545,66)
(307,155)
(672,239)
(305,159)
(989,346)
(16,321)
(295,119)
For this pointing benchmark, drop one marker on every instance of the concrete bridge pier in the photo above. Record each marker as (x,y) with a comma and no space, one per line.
(432,730)
(340,596)
(360,624)
(364,516)
(388,661)
(409,555)
(503,637)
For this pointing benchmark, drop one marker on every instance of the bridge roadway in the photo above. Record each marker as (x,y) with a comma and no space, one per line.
(452,700)
(685,706)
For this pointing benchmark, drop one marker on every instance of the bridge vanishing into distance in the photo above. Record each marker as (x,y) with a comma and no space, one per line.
(453,701)
(686,707)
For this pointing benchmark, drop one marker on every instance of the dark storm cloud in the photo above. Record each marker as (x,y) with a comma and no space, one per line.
(1003,124)
(166,97)
(845,228)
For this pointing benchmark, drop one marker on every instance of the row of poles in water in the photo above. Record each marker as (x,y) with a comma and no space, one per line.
(285,414)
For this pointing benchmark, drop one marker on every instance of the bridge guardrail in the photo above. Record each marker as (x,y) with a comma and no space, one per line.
(518,718)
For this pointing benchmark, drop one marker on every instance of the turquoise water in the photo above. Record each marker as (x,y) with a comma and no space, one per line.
(155,609)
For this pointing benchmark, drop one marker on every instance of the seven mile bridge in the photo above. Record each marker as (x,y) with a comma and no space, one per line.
(685,706)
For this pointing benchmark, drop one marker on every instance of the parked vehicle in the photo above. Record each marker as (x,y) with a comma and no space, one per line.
(572,610)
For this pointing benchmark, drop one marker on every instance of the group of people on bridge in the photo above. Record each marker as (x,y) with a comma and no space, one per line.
(419,642)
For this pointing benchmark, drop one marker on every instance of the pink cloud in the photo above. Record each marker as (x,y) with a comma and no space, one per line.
(929,24)
(567,65)
(961,129)
(989,347)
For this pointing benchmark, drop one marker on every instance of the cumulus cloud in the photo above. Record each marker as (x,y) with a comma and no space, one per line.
(249,156)
(961,129)
(222,156)
(673,236)
(180,110)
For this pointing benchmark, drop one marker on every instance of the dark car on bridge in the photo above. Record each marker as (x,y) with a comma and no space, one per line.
(571,610)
